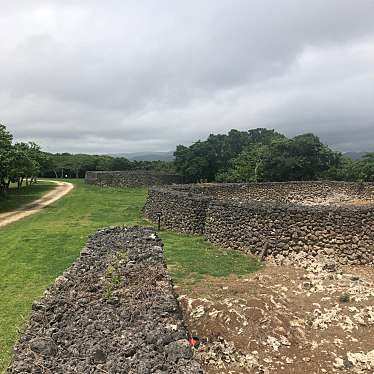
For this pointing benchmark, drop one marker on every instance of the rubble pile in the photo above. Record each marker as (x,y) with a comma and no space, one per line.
(112,311)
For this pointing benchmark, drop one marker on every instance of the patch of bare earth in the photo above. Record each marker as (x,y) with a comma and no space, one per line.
(36,206)
(309,318)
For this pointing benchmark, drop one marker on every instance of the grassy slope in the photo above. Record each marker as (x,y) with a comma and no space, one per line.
(34,251)
(17,198)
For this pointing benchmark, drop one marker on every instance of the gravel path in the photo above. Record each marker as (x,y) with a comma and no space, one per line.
(61,190)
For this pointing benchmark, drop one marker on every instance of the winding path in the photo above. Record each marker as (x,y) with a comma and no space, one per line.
(61,190)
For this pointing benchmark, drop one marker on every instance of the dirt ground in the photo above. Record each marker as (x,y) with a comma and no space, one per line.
(304,317)
(61,190)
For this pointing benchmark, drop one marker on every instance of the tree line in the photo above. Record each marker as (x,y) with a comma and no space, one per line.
(19,162)
(23,162)
(260,155)
(67,165)
(256,155)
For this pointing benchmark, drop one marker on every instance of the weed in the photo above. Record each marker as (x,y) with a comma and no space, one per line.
(345,297)
(112,275)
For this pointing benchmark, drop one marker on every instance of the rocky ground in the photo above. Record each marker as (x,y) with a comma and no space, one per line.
(295,316)
(113,311)
(334,199)
(337,199)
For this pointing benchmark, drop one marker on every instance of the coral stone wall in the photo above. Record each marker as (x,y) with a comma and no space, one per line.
(130,178)
(180,211)
(113,311)
(344,234)
(332,218)
(304,193)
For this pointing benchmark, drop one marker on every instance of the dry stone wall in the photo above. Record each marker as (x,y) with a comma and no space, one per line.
(130,178)
(303,193)
(180,211)
(112,311)
(330,218)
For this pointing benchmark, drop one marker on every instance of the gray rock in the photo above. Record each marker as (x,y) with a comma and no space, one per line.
(90,331)
(178,349)
(44,346)
(330,266)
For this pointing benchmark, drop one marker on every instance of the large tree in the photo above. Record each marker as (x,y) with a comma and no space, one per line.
(365,167)
(5,148)
(301,158)
(19,161)
(206,159)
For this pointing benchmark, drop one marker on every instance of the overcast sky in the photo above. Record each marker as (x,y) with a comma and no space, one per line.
(125,76)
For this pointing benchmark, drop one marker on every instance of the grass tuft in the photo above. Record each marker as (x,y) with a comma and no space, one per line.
(345,297)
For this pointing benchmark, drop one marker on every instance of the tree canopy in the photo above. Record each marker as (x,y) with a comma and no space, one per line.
(206,159)
(18,161)
(240,156)
(21,162)
(264,155)
(60,165)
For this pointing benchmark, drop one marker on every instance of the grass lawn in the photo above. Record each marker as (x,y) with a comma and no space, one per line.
(15,198)
(35,250)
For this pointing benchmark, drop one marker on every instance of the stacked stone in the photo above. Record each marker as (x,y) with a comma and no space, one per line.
(273,217)
(130,178)
(345,235)
(113,311)
(293,192)
(180,211)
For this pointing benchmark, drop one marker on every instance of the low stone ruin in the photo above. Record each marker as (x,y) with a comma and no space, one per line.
(131,178)
(112,311)
(335,219)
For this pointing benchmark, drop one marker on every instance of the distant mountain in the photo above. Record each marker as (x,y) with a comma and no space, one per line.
(354,155)
(147,156)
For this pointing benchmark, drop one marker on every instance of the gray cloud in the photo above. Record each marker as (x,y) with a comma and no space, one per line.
(123,76)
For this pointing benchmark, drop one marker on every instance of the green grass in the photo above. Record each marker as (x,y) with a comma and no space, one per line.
(190,258)
(35,250)
(15,199)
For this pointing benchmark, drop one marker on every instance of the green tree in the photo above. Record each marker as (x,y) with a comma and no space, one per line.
(5,148)
(280,159)
(365,167)
(24,162)
(247,167)
(211,158)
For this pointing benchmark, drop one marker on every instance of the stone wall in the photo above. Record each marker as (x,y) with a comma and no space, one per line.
(304,193)
(332,218)
(180,211)
(113,311)
(130,178)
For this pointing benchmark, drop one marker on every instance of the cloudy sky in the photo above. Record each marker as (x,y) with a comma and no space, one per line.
(124,76)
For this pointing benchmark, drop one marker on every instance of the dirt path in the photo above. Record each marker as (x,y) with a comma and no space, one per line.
(61,190)
(285,319)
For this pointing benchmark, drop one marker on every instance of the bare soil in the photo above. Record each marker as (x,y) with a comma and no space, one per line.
(61,190)
(308,318)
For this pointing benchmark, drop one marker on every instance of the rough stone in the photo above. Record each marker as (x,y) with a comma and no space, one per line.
(113,311)
(333,218)
(130,178)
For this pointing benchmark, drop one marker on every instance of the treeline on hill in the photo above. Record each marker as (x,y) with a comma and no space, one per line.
(260,155)
(19,162)
(61,165)
(23,162)
(255,155)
